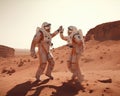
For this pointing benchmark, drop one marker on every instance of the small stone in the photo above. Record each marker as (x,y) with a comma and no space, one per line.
(91,91)
(107,80)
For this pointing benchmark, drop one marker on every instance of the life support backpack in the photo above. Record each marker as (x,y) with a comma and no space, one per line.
(79,35)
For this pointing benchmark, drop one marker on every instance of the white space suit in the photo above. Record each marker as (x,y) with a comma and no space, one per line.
(42,39)
(76,42)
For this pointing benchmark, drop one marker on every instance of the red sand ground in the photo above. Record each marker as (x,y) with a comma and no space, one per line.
(100,61)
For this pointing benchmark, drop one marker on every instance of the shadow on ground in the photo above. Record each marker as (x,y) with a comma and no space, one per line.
(68,88)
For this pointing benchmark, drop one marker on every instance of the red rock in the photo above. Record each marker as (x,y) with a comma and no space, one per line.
(105,31)
(6,51)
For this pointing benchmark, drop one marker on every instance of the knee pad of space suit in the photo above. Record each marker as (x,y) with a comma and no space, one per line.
(51,61)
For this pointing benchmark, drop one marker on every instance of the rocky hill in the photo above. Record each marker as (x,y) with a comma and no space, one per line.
(6,51)
(105,31)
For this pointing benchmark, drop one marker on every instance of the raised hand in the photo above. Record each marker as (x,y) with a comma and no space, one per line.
(60,29)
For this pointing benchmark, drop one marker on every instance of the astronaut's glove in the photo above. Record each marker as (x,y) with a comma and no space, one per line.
(60,29)
(33,55)
(70,46)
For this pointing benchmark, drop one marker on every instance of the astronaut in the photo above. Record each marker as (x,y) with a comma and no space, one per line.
(76,43)
(42,40)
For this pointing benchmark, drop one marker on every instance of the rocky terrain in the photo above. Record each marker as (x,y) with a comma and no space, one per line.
(99,63)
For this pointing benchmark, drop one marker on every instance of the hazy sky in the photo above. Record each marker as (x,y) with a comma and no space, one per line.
(19,18)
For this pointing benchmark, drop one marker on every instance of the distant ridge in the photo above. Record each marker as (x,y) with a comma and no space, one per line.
(6,51)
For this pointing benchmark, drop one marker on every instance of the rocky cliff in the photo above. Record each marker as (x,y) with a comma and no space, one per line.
(105,31)
(6,51)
